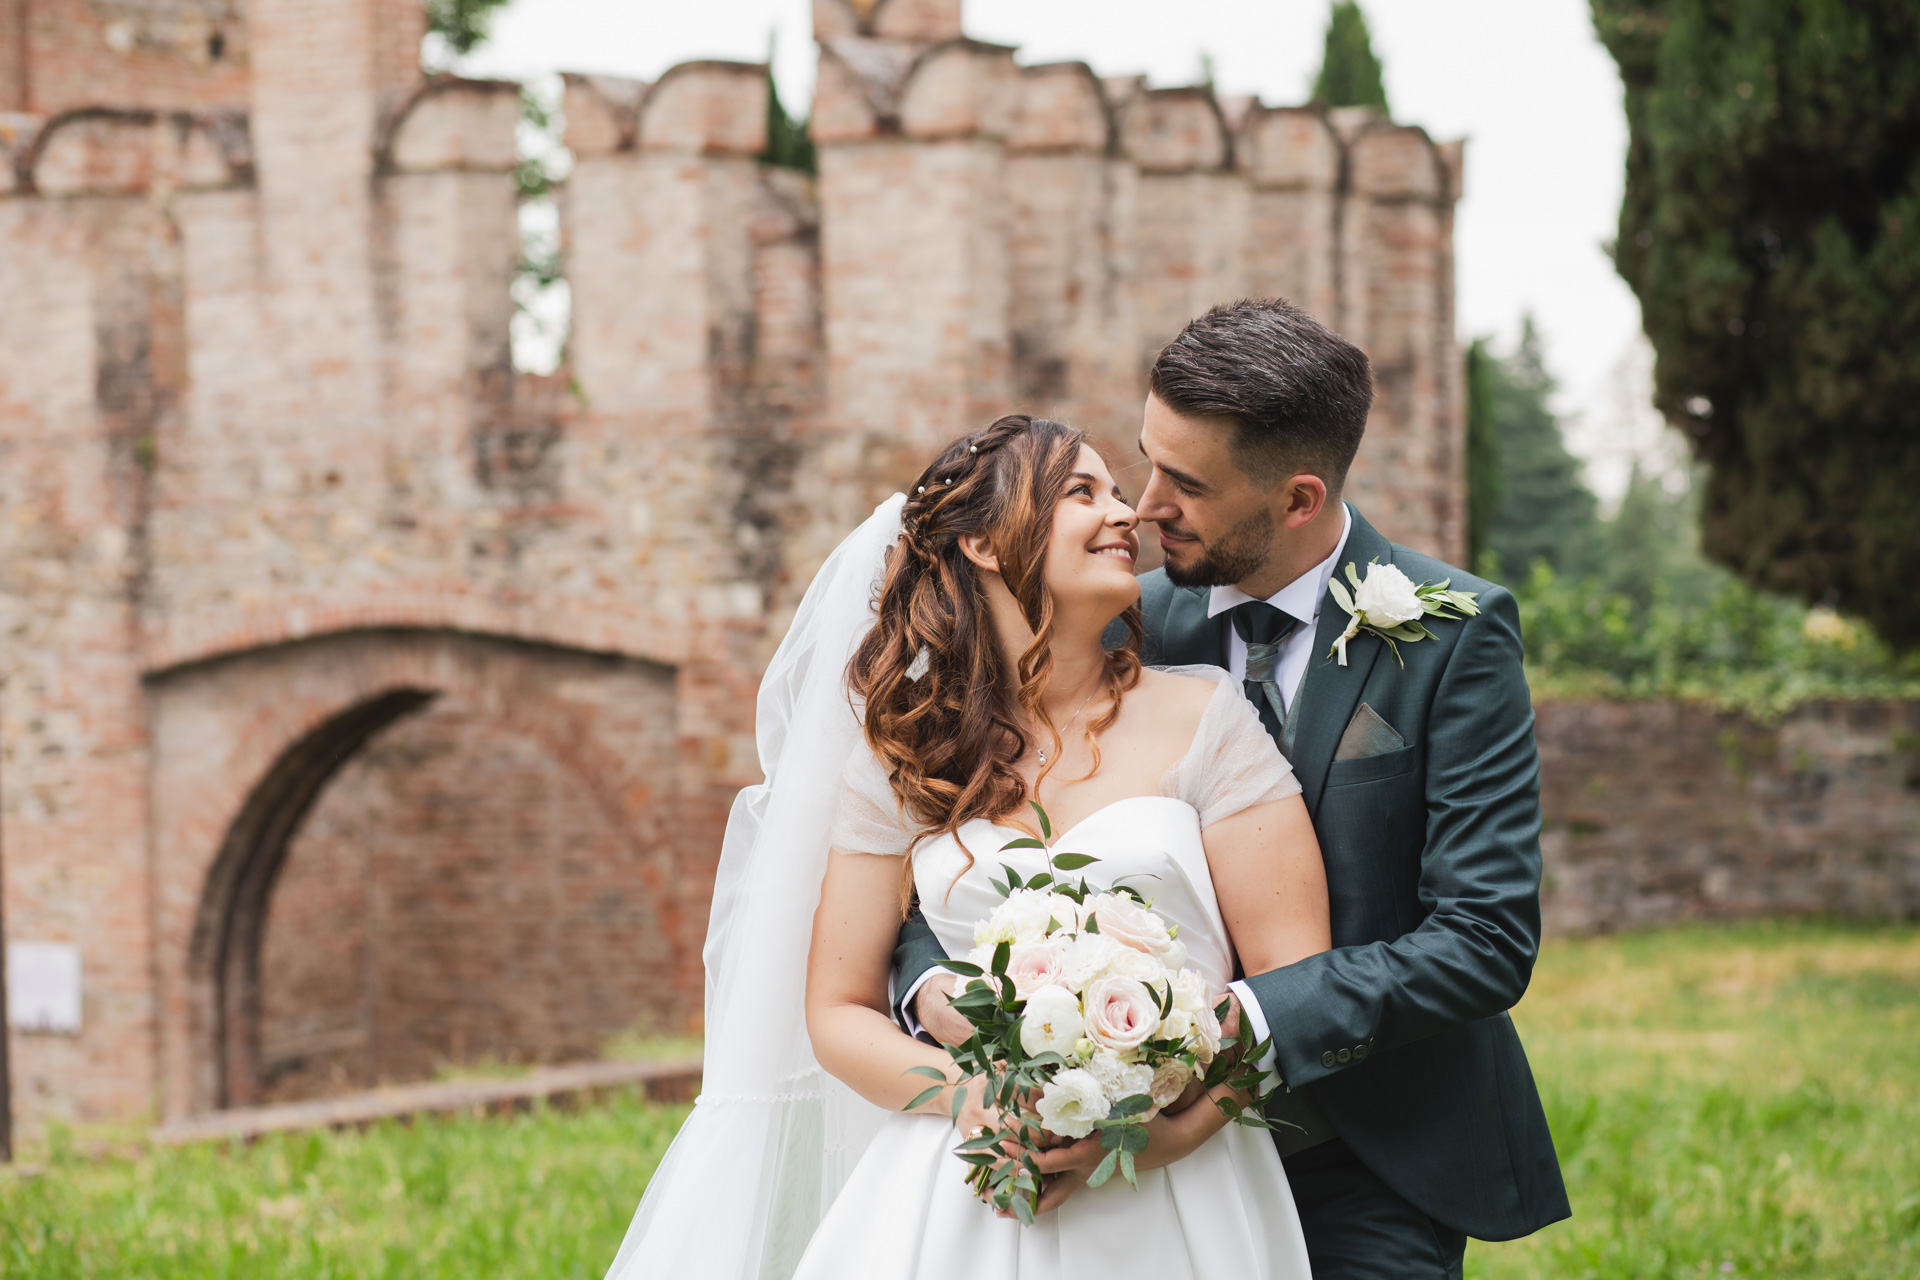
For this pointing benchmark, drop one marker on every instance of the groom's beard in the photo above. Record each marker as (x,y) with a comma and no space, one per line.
(1234,556)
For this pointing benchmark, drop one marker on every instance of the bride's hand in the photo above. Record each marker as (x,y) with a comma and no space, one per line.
(1171,1136)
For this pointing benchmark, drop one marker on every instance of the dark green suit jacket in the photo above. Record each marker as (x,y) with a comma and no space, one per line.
(1432,854)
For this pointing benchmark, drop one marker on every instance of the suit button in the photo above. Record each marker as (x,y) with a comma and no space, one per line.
(1345,1055)
(1326,1059)
(1359,1053)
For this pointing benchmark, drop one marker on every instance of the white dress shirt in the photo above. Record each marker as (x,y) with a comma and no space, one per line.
(1301,599)
(1298,599)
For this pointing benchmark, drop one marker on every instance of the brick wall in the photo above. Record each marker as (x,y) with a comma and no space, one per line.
(1657,812)
(293,566)
(458,893)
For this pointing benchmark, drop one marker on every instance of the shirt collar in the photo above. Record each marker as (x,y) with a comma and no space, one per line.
(1300,598)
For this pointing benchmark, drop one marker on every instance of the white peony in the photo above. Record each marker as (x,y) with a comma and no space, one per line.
(1387,597)
(1088,958)
(1052,1022)
(1120,1078)
(1071,1103)
(1024,916)
(1128,923)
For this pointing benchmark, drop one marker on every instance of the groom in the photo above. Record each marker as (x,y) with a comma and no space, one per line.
(1421,1122)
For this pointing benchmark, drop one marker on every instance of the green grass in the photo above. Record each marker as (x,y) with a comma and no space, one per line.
(1740,1100)
(544,1194)
(1747,1095)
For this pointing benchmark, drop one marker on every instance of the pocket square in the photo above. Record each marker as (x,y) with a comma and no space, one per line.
(1367,735)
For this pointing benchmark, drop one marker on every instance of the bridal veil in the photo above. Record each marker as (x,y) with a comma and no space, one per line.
(772,1137)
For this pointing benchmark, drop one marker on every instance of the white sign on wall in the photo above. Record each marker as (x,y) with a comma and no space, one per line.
(43,986)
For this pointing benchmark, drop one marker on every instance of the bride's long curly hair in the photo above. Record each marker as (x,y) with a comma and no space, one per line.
(944,714)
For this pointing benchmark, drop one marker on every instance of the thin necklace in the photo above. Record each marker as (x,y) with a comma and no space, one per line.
(1042,751)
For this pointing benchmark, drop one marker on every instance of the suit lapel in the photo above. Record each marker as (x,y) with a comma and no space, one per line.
(1189,636)
(1329,692)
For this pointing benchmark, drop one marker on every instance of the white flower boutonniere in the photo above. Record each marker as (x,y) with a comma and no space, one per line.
(1390,606)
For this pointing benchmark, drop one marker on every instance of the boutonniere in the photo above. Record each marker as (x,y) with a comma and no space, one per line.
(1391,607)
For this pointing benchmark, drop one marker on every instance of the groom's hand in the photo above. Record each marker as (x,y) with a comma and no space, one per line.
(932,1004)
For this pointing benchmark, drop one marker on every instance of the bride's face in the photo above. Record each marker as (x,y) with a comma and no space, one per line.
(1094,543)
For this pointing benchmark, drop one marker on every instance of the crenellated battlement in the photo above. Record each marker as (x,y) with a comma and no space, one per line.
(260,426)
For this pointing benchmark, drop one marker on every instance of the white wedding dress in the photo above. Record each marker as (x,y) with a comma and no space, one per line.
(781,1169)
(1225,1210)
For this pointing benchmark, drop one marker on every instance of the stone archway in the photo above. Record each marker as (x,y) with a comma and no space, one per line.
(233,908)
(252,747)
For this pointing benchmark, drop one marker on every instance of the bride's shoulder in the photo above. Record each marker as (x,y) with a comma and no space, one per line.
(1177,694)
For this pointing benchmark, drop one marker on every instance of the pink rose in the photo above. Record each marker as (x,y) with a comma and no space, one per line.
(1033,965)
(1128,923)
(1121,1014)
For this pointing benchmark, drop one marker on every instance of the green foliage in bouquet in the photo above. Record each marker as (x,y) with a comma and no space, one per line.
(1004,1173)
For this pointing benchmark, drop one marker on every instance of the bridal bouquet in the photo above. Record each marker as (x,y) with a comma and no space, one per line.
(1085,1021)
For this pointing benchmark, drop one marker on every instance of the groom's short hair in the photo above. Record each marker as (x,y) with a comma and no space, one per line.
(1297,392)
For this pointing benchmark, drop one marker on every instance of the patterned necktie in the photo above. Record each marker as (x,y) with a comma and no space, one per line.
(1265,629)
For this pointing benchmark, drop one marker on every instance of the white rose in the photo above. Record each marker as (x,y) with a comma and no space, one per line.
(1387,597)
(1120,1078)
(1052,1022)
(1190,992)
(1120,1014)
(1177,1025)
(1138,965)
(1071,1103)
(1168,1083)
(1128,923)
(1088,957)
(1207,1027)
(1025,914)
(1174,955)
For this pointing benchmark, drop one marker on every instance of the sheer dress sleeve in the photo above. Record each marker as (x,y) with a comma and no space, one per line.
(869,818)
(1233,763)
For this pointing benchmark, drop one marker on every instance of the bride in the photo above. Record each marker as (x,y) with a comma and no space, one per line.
(900,751)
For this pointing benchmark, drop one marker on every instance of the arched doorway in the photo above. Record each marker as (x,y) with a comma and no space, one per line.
(435,848)
(455,897)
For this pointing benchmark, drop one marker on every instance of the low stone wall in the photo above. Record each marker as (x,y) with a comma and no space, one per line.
(1658,812)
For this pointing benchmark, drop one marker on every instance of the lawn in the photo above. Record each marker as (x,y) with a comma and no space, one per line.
(1740,1100)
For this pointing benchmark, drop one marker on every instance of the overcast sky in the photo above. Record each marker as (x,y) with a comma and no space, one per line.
(1524,81)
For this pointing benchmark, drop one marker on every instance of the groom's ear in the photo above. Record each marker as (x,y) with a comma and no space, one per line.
(977,549)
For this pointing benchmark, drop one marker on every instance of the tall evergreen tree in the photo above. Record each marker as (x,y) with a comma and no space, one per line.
(1349,73)
(461,23)
(1485,484)
(1540,509)
(788,142)
(1771,229)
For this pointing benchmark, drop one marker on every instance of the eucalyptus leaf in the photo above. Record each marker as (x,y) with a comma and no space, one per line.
(1046,825)
(923,1097)
(931,1073)
(1073,861)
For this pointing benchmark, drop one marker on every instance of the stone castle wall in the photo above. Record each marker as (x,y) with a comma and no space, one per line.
(1661,812)
(282,532)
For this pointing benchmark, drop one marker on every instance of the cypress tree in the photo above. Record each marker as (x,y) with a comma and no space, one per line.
(788,142)
(461,23)
(1771,228)
(1349,73)
(1540,509)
